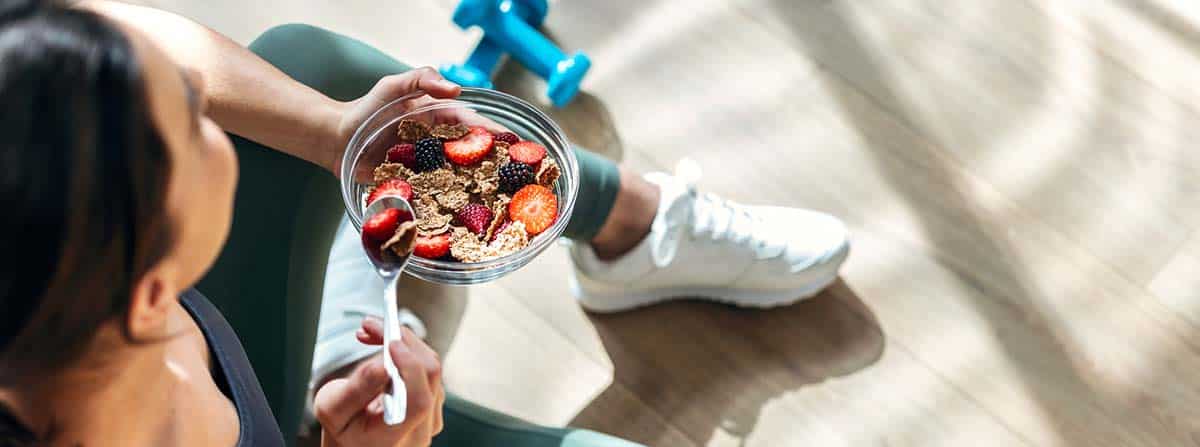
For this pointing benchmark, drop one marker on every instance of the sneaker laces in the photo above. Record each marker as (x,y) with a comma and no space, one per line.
(707,216)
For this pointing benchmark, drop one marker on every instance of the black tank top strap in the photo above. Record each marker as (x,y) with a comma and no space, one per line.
(234,375)
(13,433)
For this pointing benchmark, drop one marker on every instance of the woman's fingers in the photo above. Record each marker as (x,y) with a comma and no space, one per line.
(432,365)
(440,394)
(428,357)
(438,87)
(340,400)
(424,79)
(371,332)
(416,379)
(351,408)
(433,370)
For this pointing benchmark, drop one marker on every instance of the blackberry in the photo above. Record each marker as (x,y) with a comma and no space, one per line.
(514,175)
(430,155)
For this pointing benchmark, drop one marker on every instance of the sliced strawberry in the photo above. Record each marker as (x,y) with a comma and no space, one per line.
(470,149)
(382,226)
(527,152)
(405,154)
(475,217)
(536,206)
(391,187)
(432,247)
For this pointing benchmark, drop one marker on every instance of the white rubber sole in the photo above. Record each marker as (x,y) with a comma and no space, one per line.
(623,300)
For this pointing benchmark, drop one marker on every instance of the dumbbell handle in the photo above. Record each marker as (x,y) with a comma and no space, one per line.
(485,58)
(523,42)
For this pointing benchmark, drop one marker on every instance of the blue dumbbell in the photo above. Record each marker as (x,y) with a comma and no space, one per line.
(511,25)
(477,70)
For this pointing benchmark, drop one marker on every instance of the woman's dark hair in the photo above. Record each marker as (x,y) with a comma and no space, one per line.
(83,180)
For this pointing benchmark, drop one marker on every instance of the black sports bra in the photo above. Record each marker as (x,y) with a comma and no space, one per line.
(234,375)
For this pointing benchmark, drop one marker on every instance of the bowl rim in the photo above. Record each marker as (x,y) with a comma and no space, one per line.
(513,106)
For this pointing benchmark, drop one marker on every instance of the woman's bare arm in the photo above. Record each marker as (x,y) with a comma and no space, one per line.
(251,98)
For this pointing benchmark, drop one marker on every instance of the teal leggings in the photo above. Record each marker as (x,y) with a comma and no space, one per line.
(268,280)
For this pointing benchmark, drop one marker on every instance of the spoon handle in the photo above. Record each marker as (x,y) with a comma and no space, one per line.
(395,401)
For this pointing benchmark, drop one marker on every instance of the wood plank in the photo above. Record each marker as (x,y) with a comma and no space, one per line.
(1156,39)
(1070,136)
(618,410)
(1178,284)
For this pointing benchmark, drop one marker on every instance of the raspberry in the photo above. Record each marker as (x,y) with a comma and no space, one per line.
(405,154)
(475,217)
(514,175)
(508,137)
(430,155)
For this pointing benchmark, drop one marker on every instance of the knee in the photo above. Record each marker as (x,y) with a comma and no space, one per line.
(298,50)
(286,37)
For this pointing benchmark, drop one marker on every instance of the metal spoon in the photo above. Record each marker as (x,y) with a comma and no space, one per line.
(395,401)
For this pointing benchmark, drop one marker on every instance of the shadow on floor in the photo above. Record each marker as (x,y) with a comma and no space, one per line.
(1181,27)
(1037,339)
(684,359)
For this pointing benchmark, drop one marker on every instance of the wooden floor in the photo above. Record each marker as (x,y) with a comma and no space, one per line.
(1022,178)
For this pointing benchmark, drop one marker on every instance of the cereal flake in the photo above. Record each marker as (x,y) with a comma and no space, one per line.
(437,181)
(499,214)
(388,171)
(468,247)
(492,201)
(412,130)
(500,149)
(548,173)
(453,200)
(509,241)
(401,244)
(486,178)
(450,131)
(430,219)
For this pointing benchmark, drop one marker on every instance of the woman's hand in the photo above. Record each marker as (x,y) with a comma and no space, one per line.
(388,89)
(350,409)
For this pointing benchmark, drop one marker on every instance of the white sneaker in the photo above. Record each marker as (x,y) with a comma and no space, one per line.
(702,246)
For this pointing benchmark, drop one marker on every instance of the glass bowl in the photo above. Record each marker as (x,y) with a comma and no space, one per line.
(493,109)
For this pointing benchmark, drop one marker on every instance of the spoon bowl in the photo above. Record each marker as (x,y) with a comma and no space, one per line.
(388,269)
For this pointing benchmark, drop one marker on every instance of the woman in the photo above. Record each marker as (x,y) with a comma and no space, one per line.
(261,282)
(117,185)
